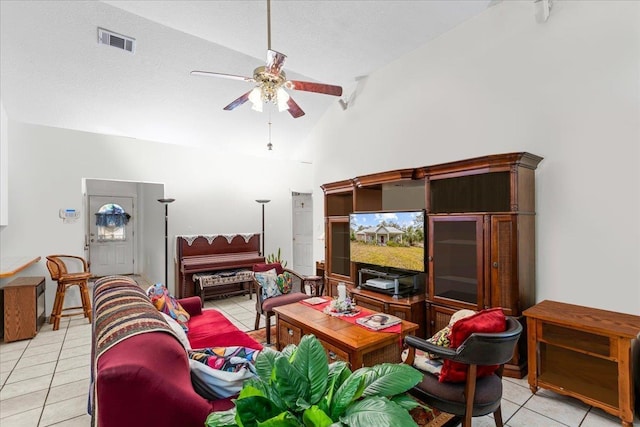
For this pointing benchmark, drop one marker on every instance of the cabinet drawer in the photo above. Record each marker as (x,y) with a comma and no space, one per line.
(288,334)
(369,303)
(334,353)
(401,311)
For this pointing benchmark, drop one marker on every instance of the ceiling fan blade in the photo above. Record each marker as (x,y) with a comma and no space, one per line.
(238,102)
(222,75)
(314,87)
(275,61)
(294,109)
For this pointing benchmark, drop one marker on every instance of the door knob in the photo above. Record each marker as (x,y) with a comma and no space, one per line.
(495,264)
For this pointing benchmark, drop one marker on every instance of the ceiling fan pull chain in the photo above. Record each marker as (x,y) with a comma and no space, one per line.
(269,145)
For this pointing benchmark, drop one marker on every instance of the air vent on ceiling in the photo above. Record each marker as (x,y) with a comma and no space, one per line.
(116,40)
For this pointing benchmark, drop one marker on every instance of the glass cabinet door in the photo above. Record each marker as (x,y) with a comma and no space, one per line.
(455,260)
(339,261)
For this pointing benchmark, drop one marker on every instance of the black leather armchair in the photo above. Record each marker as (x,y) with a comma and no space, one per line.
(477,396)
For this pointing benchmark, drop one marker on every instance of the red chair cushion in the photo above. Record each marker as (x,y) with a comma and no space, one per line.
(490,320)
(285,299)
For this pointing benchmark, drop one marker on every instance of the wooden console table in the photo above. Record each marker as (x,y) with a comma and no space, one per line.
(584,353)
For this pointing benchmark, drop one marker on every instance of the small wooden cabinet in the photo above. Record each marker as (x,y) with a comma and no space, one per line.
(24,307)
(585,353)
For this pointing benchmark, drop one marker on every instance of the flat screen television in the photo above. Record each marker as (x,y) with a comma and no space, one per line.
(391,239)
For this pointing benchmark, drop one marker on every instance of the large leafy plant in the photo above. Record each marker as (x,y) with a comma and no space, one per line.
(297,387)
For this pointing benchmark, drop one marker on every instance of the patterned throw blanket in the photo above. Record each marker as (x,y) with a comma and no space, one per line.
(121,312)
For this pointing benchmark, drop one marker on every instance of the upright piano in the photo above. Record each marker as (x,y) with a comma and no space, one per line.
(212,253)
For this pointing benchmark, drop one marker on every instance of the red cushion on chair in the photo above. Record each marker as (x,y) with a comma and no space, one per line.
(490,320)
(285,299)
(258,268)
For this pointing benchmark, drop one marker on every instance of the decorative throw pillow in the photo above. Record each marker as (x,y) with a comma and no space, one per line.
(220,372)
(424,362)
(230,359)
(166,303)
(268,284)
(442,337)
(214,384)
(177,328)
(284,282)
(490,320)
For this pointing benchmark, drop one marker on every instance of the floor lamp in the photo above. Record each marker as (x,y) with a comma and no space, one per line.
(262,202)
(166,202)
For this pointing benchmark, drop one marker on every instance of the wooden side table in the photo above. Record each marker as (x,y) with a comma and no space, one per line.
(584,353)
(24,307)
(315,283)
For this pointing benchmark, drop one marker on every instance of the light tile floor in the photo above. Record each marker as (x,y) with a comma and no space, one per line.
(44,381)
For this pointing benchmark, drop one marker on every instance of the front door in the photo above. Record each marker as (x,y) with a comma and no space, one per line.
(111,235)
(303,234)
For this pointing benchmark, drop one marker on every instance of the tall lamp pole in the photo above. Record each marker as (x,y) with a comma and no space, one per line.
(262,202)
(166,202)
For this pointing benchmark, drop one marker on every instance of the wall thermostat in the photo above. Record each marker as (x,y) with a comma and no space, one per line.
(69,215)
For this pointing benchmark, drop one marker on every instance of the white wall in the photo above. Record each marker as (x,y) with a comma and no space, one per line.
(566,90)
(4,166)
(214,194)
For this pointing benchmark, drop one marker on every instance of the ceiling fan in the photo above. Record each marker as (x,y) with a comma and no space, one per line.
(271,82)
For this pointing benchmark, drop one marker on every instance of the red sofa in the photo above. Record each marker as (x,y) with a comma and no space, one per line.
(145,378)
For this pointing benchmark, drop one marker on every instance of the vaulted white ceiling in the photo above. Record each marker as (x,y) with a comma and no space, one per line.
(54,73)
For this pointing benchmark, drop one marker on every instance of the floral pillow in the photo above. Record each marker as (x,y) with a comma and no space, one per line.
(441,338)
(284,282)
(166,303)
(268,284)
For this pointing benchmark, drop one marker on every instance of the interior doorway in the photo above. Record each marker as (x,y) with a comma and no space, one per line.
(124,244)
(111,235)
(302,233)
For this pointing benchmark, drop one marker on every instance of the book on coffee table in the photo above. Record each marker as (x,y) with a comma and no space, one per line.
(377,321)
(314,300)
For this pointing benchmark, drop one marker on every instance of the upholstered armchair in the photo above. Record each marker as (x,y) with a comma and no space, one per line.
(482,357)
(264,305)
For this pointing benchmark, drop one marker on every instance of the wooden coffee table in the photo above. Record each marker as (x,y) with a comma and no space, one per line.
(341,340)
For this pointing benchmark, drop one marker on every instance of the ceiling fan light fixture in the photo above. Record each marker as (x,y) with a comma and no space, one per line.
(282,99)
(256,99)
(271,80)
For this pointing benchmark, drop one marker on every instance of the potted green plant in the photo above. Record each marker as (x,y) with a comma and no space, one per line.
(297,387)
(276,257)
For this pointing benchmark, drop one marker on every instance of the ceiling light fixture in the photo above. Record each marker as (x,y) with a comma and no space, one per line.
(271,82)
(256,99)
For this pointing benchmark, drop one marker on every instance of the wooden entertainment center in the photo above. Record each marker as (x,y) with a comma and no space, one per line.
(480,233)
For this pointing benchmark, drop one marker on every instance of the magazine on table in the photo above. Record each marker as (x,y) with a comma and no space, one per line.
(377,321)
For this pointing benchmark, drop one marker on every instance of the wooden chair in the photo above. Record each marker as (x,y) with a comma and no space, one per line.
(265,306)
(477,396)
(65,279)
